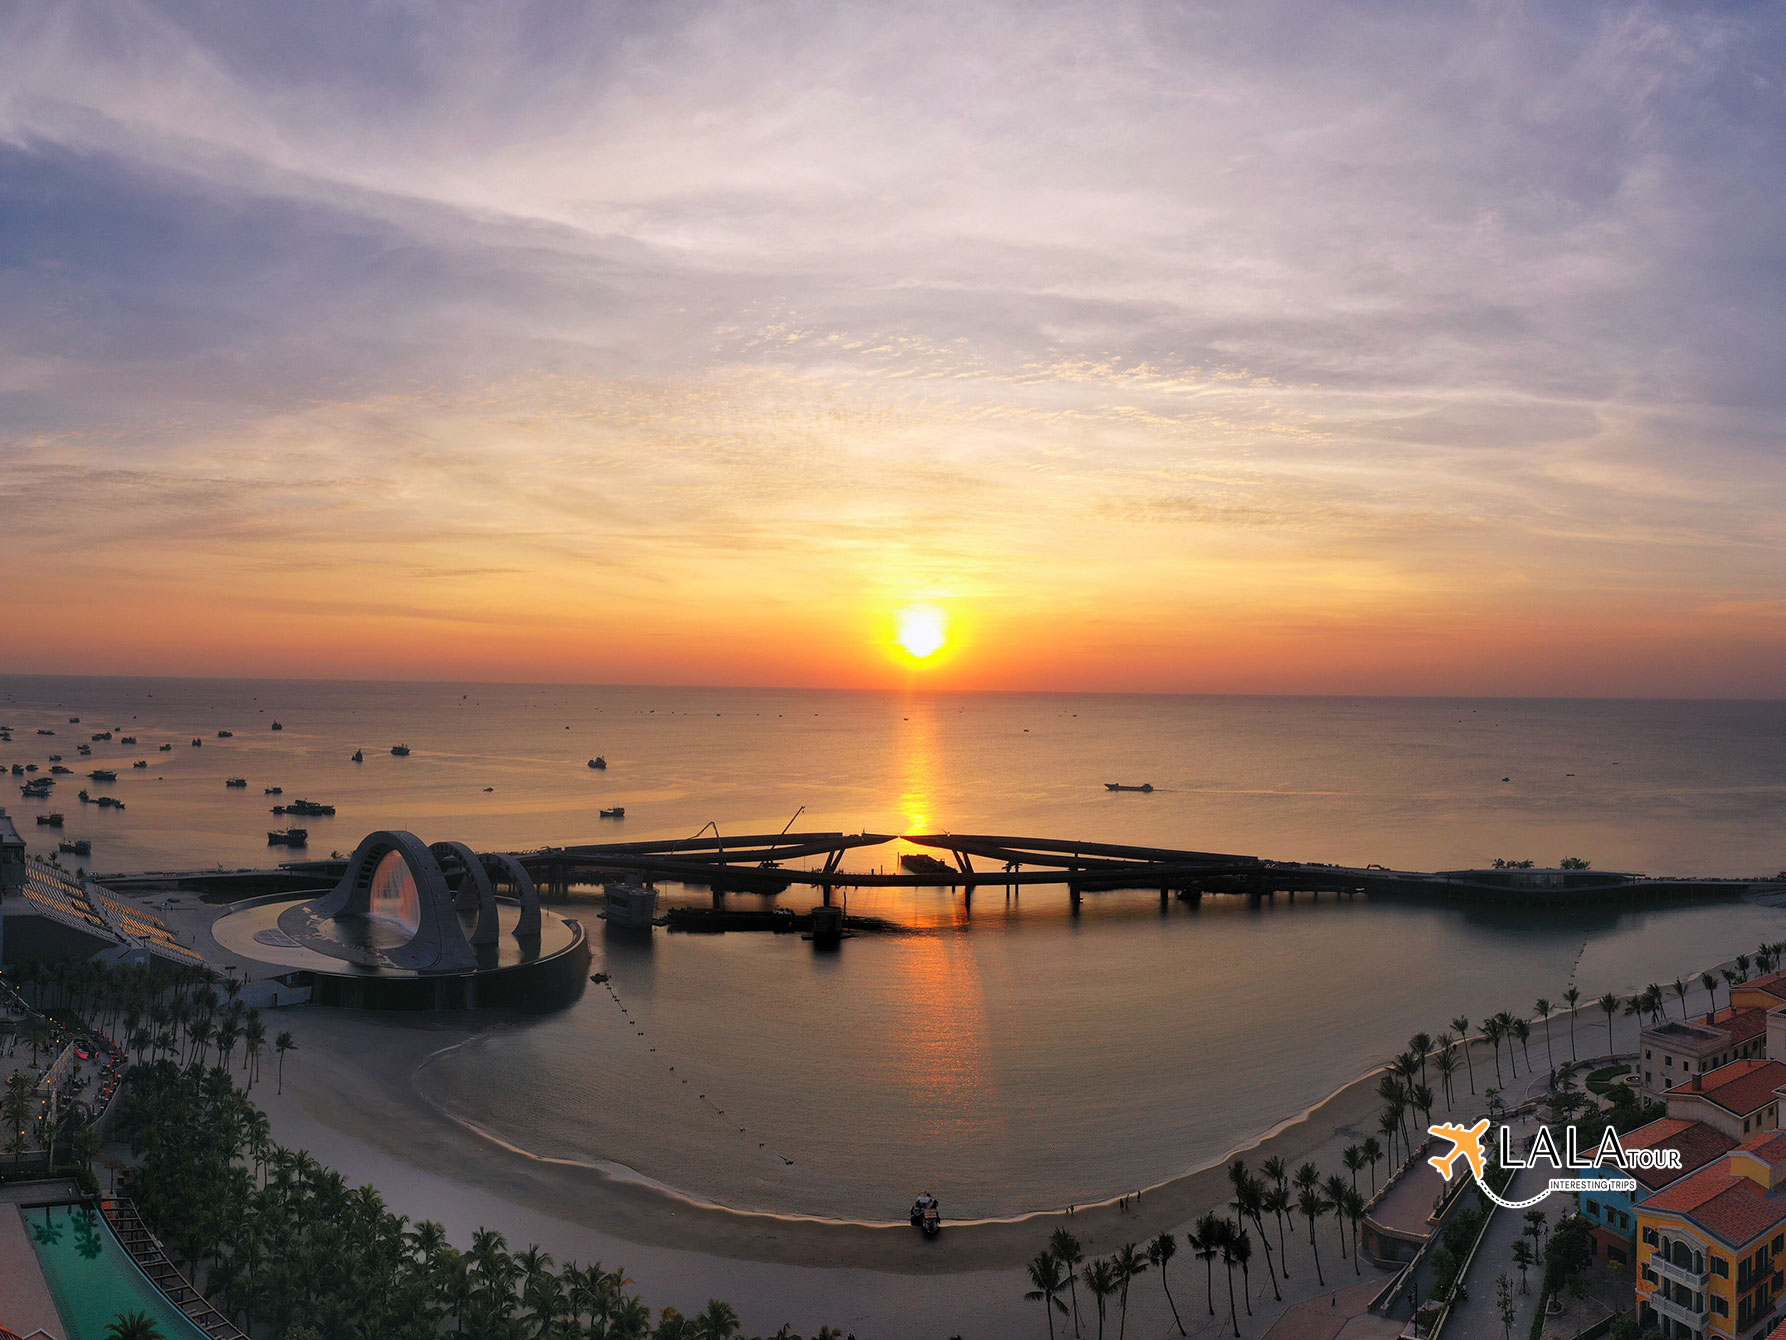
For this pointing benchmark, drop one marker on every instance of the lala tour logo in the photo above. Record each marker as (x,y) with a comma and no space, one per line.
(1466,1147)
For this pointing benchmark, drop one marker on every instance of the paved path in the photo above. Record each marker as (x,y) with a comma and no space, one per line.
(1479,1318)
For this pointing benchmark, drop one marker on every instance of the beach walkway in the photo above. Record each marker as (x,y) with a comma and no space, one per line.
(1343,1315)
(1480,1318)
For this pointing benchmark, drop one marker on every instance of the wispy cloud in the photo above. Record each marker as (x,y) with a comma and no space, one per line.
(643,317)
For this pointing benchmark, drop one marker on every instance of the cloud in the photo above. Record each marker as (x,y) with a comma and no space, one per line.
(671,307)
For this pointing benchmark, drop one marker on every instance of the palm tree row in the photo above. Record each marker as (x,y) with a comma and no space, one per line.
(1059,1269)
(277,1239)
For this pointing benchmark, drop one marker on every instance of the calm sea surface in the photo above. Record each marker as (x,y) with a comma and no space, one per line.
(1010,1057)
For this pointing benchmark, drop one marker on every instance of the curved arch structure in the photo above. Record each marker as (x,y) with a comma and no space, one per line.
(476,893)
(397,869)
(528,928)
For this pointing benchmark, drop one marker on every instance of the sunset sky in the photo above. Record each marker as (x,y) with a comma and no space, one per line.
(1384,348)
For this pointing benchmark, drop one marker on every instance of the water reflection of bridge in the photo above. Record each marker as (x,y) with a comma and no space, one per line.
(766,864)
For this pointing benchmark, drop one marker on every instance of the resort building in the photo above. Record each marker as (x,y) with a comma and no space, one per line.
(1674,1051)
(1767,993)
(1740,1099)
(1708,1247)
(1612,1215)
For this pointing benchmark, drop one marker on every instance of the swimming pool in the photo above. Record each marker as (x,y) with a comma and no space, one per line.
(92,1276)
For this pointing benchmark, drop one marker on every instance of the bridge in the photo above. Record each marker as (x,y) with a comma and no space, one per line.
(771,863)
(759,863)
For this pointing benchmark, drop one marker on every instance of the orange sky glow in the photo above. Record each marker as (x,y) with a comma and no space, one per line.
(1157,355)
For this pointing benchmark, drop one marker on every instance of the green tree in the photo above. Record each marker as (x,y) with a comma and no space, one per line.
(132,1326)
(1159,1254)
(1045,1275)
(1069,1253)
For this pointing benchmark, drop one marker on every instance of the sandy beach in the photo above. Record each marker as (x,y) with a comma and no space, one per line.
(350,1100)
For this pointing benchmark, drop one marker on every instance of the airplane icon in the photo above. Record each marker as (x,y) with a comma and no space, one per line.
(1466,1144)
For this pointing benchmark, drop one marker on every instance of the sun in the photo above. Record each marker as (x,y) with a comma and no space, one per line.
(923,630)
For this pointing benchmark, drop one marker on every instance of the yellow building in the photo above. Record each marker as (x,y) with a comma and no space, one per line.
(1709,1247)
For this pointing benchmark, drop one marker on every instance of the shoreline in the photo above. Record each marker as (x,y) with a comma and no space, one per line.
(382,1105)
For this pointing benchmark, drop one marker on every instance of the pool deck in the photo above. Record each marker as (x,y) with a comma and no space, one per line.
(26,1307)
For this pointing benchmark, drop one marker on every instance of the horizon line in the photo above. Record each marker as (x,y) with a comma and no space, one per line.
(908,689)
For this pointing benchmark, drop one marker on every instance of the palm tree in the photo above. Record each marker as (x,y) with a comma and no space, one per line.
(284,1043)
(132,1326)
(1249,1203)
(1543,1008)
(1446,1061)
(1420,1044)
(1461,1026)
(1680,994)
(717,1321)
(1309,1201)
(1609,1003)
(1230,1232)
(1521,1032)
(1101,1280)
(1491,1029)
(1126,1265)
(1710,983)
(1241,1249)
(1045,1274)
(1333,1191)
(1353,1158)
(1572,998)
(1205,1240)
(1353,1209)
(1159,1254)
(1277,1200)
(1065,1249)
(1388,1127)
(1372,1152)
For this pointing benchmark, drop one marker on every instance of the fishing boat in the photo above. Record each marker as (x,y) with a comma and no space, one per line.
(303,807)
(127,739)
(226,735)
(197,743)
(49,820)
(103,735)
(59,770)
(46,732)
(1119,786)
(598,763)
(237,782)
(287,837)
(277,726)
(76,847)
(102,775)
(274,791)
(74,721)
(86,750)
(18,770)
(140,763)
(617,812)
(167,749)
(359,756)
(55,758)
(109,803)
(84,798)
(400,750)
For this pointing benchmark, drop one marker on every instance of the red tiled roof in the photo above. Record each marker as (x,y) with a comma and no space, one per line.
(1774,984)
(1699,1145)
(1778,1333)
(1739,1026)
(1723,1203)
(1742,1087)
